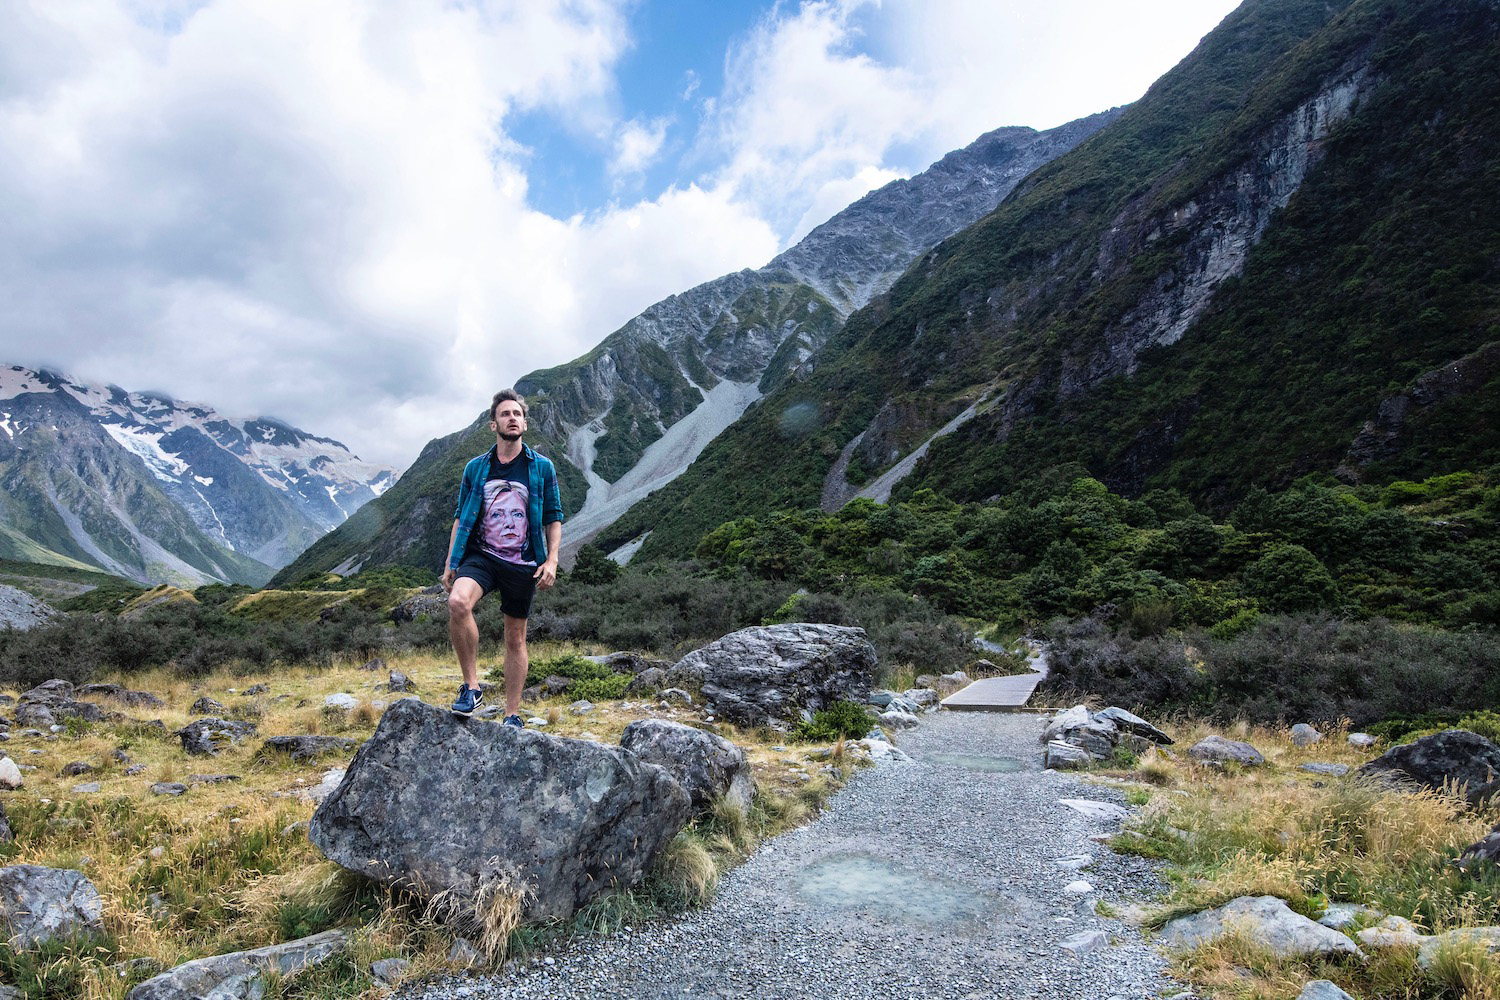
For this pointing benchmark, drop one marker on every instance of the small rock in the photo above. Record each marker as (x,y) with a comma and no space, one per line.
(1084,942)
(1322,989)
(206,706)
(1323,767)
(87,788)
(899,720)
(389,970)
(400,682)
(375,664)
(76,768)
(1361,740)
(1340,916)
(1430,948)
(676,696)
(1065,756)
(168,788)
(1304,735)
(1392,932)
(255,689)
(464,955)
(10,774)
(1095,810)
(1076,863)
(581,707)
(1268,920)
(1078,888)
(135,769)
(340,700)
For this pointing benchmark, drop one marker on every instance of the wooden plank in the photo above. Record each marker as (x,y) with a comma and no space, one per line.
(994,694)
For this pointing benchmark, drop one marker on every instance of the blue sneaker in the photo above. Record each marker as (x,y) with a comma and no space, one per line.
(468,700)
(514,720)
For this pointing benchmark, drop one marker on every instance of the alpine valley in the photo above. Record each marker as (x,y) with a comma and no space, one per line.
(155,490)
(1281,261)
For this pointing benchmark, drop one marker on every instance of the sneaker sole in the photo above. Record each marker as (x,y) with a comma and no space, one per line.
(465,714)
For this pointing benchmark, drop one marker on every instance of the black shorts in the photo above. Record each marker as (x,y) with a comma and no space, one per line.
(516,584)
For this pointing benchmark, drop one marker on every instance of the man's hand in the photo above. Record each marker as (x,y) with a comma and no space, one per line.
(546,574)
(449,575)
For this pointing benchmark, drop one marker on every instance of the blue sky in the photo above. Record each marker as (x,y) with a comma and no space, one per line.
(363,218)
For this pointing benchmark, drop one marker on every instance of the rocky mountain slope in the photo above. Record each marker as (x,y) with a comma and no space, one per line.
(1282,260)
(632,414)
(156,490)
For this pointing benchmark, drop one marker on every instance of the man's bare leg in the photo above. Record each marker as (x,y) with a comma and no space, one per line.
(464,631)
(517,662)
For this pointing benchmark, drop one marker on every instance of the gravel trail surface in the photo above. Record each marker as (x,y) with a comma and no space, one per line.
(925,878)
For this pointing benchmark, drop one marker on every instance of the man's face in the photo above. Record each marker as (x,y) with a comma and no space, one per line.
(508,421)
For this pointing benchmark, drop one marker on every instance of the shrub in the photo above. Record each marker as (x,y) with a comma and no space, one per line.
(1289,578)
(841,720)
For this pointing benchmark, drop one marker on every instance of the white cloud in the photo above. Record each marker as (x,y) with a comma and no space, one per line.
(637,145)
(314,210)
(311,210)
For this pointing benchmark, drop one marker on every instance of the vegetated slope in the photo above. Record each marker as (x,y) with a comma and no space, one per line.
(630,415)
(103,478)
(1216,291)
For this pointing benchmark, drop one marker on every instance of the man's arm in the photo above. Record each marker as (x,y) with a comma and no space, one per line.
(449,573)
(546,573)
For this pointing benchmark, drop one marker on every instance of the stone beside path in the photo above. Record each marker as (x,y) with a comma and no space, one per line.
(924,878)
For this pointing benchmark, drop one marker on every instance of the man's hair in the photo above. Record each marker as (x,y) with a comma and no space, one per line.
(507,394)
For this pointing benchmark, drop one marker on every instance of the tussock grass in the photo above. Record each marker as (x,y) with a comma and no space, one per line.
(228,866)
(1310,840)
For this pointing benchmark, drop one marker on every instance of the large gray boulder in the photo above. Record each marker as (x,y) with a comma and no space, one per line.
(239,975)
(1456,758)
(1217,749)
(771,674)
(1266,920)
(38,904)
(1483,852)
(438,803)
(704,764)
(50,702)
(1129,722)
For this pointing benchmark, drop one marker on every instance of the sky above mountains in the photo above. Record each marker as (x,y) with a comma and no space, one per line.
(363,219)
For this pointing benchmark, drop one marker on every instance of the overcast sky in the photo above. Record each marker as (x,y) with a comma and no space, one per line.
(365,217)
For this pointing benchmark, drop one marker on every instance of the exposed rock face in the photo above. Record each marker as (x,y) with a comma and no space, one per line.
(38,904)
(51,702)
(772,673)
(135,699)
(204,737)
(1266,919)
(1224,751)
(704,764)
(1485,851)
(1304,735)
(1096,735)
(307,746)
(430,799)
(430,603)
(19,610)
(1454,757)
(239,975)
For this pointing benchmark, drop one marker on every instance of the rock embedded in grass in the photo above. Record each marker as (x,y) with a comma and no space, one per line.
(307,746)
(1304,735)
(39,904)
(205,737)
(207,706)
(1452,758)
(1217,749)
(1266,920)
(1322,989)
(241,973)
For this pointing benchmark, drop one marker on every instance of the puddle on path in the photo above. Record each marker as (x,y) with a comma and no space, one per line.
(978,762)
(862,881)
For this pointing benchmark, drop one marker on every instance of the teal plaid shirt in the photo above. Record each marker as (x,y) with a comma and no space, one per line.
(543,507)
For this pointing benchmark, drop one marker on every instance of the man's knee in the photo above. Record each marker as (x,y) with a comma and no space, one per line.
(460,604)
(515,633)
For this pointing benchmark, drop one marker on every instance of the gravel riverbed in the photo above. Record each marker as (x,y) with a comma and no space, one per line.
(928,878)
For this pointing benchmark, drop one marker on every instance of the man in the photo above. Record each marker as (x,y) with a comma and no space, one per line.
(507,529)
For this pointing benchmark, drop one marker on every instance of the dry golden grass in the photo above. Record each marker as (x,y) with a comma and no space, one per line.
(1309,839)
(211,870)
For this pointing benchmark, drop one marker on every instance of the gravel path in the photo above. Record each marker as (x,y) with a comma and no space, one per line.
(928,878)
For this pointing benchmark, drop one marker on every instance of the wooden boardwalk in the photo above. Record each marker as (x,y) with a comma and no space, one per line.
(1000,694)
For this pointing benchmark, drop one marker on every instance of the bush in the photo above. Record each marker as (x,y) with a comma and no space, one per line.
(841,720)
(1288,579)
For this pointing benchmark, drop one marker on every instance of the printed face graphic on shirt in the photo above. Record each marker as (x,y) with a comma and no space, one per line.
(503,527)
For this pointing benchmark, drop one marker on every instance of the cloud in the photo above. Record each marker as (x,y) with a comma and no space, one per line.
(637,145)
(313,211)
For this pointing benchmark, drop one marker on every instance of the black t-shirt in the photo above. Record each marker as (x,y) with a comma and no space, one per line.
(503,531)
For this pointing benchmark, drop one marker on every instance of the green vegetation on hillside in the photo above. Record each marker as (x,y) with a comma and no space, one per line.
(1380,269)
